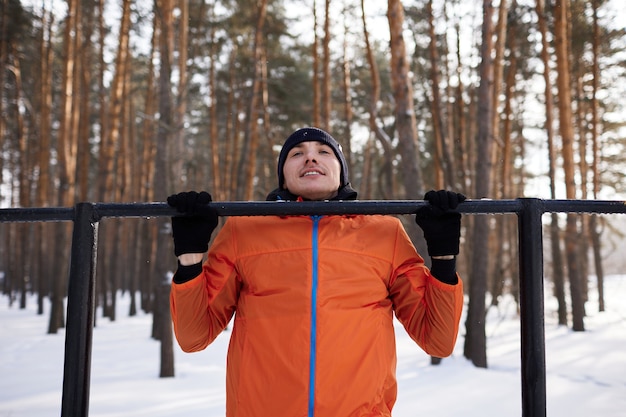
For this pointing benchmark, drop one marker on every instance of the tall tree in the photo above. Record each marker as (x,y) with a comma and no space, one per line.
(44,181)
(162,178)
(378,132)
(4,231)
(110,145)
(149,232)
(577,25)
(22,165)
(504,160)
(462,150)
(347,93)
(66,144)
(475,340)
(220,174)
(404,115)
(593,221)
(558,273)
(326,78)
(248,153)
(561,39)
(5,30)
(252,128)
(316,116)
(444,175)
(179,152)
(500,33)
(403,96)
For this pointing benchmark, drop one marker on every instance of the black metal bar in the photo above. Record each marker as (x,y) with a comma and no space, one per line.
(532,331)
(273,208)
(36,214)
(584,206)
(259,208)
(80,314)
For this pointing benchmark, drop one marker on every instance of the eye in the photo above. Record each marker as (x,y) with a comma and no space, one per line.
(325,150)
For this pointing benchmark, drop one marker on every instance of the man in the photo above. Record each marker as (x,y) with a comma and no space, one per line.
(313,297)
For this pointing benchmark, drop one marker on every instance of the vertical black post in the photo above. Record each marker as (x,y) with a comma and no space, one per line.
(531,309)
(80,313)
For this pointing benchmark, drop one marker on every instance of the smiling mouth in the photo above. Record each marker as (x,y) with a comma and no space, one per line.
(309,173)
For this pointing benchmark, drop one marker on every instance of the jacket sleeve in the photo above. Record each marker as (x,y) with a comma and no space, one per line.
(429,310)
(202,307)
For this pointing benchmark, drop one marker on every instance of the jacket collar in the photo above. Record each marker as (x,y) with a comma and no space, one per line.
(345,193)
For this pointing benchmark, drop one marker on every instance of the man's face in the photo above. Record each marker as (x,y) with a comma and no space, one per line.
(312,171)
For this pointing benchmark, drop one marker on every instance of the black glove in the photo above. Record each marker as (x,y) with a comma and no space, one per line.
(441,222)
(192,232)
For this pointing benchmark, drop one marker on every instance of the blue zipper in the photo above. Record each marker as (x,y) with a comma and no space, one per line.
(313,335)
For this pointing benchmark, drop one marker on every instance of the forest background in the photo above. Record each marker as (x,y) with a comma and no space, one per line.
(131,101)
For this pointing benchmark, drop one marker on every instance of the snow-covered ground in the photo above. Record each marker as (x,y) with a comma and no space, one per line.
(586,371)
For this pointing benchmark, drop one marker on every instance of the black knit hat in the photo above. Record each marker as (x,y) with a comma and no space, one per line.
(307,134)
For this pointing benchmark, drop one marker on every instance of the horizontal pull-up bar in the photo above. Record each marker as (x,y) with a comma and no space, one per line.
(269,208)
(81,290)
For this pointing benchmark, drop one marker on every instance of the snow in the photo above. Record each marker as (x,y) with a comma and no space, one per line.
(585,372)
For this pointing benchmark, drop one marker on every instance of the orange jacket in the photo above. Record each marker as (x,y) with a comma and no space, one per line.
(314,299)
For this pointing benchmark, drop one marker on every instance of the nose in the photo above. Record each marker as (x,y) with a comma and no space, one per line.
(310,156)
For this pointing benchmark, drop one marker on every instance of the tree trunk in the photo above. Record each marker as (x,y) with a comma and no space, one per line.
(475,340)
(316,117)
(594,230)
(267,168)
(498,73)
(108,179)
(444,175)
(405,117)
(404,110)
(180,153)
(326,78)
(44,195)
(567,135)
(219,176)
(502,188)
(248,154)
(22,164)
(83,81)
(583,169)
(253,110)
(558,273)
(162,180)
(133,270)
(462,144)
(110,143)
(233,128)
(4,29)
(67,161)
(149,136)
(347,99)
(379,133)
